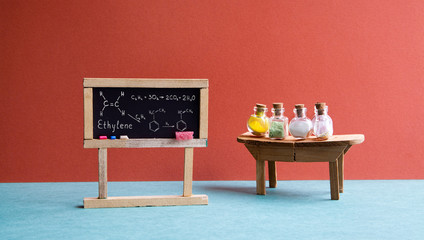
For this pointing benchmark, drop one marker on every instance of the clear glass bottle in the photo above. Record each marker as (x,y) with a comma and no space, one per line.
(322,122)
(278,123)
(300,126)
(258,123)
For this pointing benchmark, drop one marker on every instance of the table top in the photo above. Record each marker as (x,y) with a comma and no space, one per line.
(348,139)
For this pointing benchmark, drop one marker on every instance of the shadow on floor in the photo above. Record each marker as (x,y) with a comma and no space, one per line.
(272,192)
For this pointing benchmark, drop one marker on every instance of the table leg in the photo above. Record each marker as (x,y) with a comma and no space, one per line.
(102,173)
(272,174)
(340,164)
(334,181)
(260,178)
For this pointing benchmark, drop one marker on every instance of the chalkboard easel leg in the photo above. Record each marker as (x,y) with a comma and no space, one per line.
(102,173)
(188,172)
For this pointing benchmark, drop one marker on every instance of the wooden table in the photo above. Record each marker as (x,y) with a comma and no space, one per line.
(292,150)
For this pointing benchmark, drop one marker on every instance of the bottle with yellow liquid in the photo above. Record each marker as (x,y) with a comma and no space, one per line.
(258,123)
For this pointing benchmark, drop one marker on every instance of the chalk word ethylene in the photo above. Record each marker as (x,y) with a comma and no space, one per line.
(114,126)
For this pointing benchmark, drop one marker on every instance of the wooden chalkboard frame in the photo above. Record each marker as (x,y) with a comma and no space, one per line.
(187,198)
(90,83)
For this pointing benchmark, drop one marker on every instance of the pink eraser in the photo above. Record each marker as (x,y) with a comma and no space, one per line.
(183,135)
(102,137)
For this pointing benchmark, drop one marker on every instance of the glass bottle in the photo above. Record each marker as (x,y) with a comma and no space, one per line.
(258,122)
(322,122)
(278,123)
(300,126)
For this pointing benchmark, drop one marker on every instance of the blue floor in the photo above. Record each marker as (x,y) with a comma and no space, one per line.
(392,209)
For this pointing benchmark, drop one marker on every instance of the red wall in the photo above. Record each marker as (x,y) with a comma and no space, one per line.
(364,58)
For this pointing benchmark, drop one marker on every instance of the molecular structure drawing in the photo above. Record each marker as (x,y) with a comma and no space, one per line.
(115,104)
(181,124)
(154,125)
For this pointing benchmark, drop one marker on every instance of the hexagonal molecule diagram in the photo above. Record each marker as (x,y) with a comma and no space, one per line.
(181,124)
(154,125)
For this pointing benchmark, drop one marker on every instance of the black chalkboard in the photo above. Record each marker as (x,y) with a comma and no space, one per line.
(145,112)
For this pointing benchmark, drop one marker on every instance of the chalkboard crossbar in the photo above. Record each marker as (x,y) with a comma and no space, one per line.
(145,143)
(145,83)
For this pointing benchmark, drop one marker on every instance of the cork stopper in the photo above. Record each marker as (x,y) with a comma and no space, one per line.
(299,109)
(277,105)
(258,105)
(260,108)
(320,106)
(299,106)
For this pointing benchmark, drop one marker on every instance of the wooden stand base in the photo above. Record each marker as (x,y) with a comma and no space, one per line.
(103,201)
(145,201)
